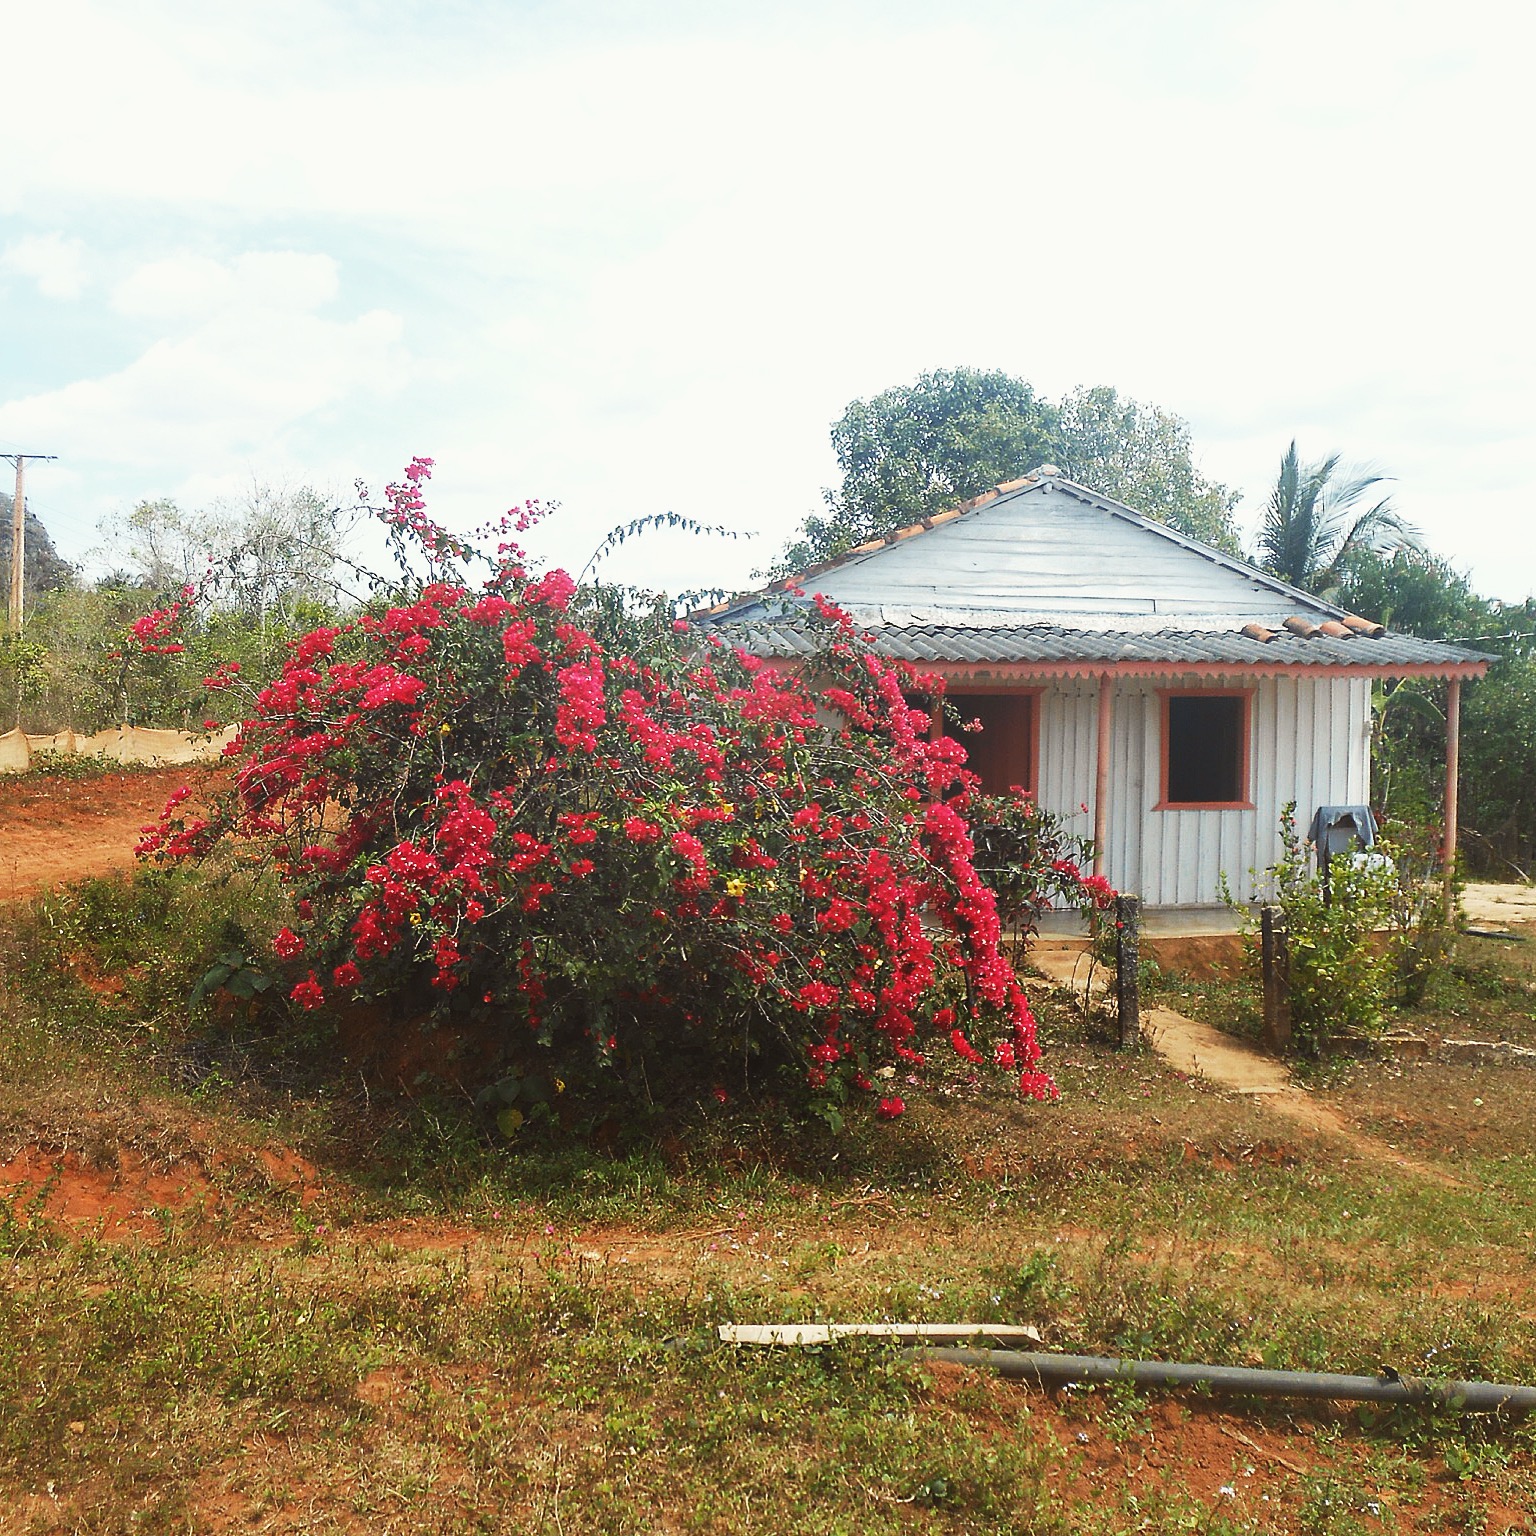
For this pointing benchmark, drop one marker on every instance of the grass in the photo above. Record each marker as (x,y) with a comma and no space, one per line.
(359,1314)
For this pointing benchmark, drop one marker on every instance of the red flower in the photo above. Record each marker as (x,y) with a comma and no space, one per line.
(308,993)
(287,944)
(346,975)
(890,1108)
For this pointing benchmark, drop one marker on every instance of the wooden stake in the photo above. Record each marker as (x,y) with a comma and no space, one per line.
(1276,958)
(1452,776)
(1128,968)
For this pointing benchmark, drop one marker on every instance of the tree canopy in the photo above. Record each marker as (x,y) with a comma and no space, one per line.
(917,448)
(261,556)
(1315,521)
(1141,454)
(1413,590)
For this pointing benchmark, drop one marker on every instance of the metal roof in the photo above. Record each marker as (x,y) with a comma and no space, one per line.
(1046,577)
(1039,550)
(1053,648)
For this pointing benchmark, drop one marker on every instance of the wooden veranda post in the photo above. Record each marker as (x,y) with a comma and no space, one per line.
(1101,772)
(1452,776)
(1276,958)
(1128,968)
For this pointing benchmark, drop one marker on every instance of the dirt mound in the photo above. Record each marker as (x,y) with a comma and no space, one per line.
(121,1200)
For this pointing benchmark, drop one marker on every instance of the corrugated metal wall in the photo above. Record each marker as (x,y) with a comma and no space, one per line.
(1310,742)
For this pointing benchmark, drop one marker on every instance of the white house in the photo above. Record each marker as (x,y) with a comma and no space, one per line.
(1183,697)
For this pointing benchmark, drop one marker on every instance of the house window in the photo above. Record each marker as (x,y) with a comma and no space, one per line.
(1002,753)
(1205,750)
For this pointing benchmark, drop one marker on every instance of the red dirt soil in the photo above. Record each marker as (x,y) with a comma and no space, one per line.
(113,1202)
(54,829)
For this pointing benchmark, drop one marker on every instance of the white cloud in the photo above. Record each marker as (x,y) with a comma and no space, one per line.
(644,263)
(55,262)
(244,364)
(193,287)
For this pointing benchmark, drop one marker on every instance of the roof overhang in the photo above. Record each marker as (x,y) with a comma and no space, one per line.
(1015,674)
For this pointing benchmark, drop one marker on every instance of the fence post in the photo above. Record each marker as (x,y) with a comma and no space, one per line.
(1275,953)
(1128,968)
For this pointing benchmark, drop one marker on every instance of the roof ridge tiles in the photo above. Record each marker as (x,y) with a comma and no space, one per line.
(1360,626)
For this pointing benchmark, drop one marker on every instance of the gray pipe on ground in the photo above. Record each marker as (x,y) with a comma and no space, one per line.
(1046,1370)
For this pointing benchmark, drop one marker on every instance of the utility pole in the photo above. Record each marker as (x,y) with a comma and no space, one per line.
(18,532)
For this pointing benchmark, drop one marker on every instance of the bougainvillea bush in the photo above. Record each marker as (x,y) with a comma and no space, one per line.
(645,864)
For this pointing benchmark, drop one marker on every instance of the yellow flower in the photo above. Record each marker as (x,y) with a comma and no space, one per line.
(444,728)
(736,886)
(415,919)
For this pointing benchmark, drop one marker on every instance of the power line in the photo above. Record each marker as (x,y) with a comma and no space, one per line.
(1529,634)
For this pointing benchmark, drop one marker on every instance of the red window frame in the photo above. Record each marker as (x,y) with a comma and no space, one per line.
(1165,695)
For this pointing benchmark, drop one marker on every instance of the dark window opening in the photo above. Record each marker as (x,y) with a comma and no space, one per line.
(1206,749)
(1002,752)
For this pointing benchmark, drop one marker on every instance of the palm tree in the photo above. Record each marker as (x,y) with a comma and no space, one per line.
(1311,527)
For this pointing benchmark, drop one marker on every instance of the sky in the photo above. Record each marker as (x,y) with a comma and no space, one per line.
(636,259)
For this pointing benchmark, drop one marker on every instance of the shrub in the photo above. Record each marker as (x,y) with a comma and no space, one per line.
(1367,942)
(1031,862)
(641,864)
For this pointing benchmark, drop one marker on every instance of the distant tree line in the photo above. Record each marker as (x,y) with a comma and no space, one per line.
(261,570)
(266,569)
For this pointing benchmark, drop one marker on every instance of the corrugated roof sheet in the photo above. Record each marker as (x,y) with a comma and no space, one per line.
(1051,645)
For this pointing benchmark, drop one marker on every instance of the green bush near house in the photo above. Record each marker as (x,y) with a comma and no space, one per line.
(1364,941)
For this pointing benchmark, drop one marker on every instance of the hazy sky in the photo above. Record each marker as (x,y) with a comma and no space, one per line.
(636,258)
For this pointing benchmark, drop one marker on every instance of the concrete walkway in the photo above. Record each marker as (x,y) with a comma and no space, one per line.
(1199,1050)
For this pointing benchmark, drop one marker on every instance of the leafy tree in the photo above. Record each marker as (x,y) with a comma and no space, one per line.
(1141,454)
(261,557)
(262,571)
(1412,590)
(913,450)
(1423,594)
(1499,768)
(1312,527)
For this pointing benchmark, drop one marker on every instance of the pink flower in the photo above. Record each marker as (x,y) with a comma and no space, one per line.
(555,590)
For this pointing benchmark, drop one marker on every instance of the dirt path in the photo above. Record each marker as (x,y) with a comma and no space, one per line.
(53,829)
(1499,904)
(1199,1050)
